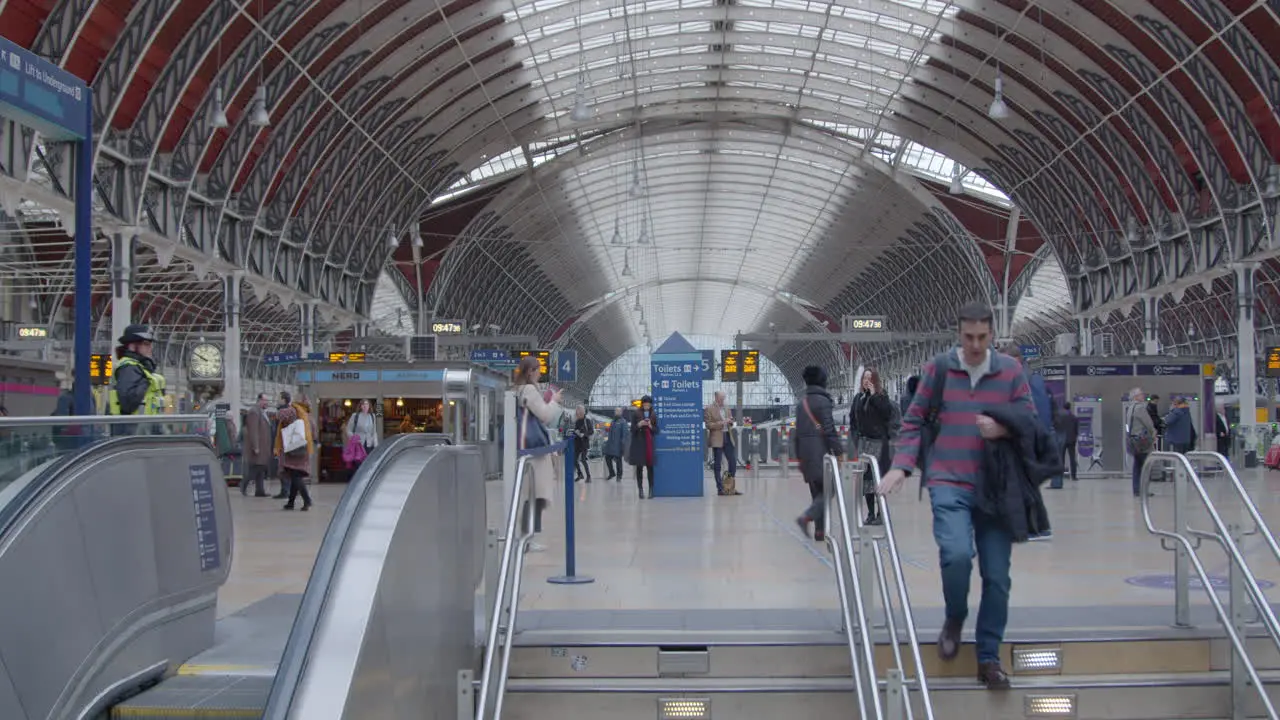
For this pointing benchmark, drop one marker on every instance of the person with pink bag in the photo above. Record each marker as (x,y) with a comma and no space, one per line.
(362,435)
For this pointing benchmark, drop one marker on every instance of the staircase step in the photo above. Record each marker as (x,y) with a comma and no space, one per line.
(1146,696)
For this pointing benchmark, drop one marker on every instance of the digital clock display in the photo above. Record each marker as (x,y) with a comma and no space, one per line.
(447,327)
(865,323)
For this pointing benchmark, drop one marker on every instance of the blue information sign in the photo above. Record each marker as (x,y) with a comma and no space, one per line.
(490,356)
(412,375)
(41,95)
(283,358)
(677,400)
(1029,352)
(567,366)
(206,518)
(708,364)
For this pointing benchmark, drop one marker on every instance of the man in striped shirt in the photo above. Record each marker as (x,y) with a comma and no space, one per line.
(976,378)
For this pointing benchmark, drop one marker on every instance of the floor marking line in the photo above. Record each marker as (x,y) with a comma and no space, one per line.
(794,533)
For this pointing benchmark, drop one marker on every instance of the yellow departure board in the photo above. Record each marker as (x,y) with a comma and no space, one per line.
(99,369)
(337,357)
(1273,362)
(738,365)
(544,360)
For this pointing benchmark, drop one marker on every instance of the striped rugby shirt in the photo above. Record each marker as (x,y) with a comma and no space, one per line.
(956,457)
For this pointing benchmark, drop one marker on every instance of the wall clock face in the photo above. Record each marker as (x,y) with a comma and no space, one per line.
(206,361)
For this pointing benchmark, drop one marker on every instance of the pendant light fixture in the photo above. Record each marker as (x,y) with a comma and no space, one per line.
(644,232)
(581,111)
(998,110)
(218,115)
(617,232)
(626,263)
(260,117)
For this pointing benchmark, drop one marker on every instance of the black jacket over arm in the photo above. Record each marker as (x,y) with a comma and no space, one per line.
(1015,467)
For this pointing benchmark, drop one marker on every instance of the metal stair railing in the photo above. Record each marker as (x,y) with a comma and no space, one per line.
(854,617)
(872,548)
(1242,581)
(506,603)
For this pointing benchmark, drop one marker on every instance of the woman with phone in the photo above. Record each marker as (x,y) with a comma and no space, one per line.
(545,409)
(644,429)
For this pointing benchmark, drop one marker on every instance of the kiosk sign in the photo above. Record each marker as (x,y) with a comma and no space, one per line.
(1273,362)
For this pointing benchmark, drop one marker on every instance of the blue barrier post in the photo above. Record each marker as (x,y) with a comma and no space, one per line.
(570,576)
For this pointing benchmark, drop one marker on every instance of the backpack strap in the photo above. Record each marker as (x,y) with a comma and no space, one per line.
(931,413)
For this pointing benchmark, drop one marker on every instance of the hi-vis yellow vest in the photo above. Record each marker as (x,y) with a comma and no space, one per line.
(152,402)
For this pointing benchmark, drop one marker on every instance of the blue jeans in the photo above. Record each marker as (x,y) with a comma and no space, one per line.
(958,528)
(717,454)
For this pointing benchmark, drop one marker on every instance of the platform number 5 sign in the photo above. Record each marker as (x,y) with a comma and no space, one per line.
(567,366)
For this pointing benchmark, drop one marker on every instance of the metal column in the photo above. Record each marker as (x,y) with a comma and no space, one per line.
(1246,358)
(1151,326)
(123,245)
(231,366)
(307,321)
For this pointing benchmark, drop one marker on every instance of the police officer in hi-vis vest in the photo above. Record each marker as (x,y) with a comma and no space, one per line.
(136,387)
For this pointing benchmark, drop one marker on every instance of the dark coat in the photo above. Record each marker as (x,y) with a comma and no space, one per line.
(583,429)
(635,454)
(1014,468)
(813,442)
(619,432)
(871,416)
(1068,427)
(131,383)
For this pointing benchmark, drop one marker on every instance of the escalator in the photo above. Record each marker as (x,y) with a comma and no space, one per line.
(111,573)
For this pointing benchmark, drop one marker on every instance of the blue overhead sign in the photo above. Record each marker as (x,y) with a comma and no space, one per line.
(1029,352)
(1101,370)
(282,358)
(41,95)
(567,366)
(708,364)
(1159,370)
(485,357)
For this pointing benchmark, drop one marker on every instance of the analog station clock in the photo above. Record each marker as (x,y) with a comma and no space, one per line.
(205,361)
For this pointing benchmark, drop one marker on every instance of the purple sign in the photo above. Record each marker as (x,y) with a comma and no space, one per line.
(1101,370)
(1169,370)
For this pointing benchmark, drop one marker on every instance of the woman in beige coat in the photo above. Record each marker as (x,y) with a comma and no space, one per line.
(548,412)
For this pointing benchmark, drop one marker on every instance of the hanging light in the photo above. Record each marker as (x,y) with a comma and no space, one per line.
(626,263)
(581,111)
(999,110)
(392,241)
(417,236)
(957,180)
(644,232)
(617,233)
(260,117)
(638,307)
(637,187)
(218,117)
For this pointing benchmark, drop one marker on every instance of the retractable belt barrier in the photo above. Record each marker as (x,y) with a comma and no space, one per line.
(570,576)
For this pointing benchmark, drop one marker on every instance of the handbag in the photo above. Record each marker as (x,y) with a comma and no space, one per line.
(795,438)
(533,434)
(294,439)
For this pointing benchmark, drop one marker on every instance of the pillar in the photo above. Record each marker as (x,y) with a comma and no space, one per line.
(1085,333)
(307,322)
(231,353)
(1151,326)
(122,248)
(1246,354)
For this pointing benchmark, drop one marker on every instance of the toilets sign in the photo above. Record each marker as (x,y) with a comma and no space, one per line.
(677,398)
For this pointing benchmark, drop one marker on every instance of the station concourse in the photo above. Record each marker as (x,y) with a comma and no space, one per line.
(366,214)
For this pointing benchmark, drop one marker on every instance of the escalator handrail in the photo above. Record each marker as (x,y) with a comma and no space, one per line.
(316,595)
(51,476)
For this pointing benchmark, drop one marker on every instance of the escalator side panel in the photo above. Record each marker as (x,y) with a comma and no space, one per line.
(397,622)
(102,575)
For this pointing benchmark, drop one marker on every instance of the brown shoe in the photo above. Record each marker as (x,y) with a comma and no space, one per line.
(949,639)
(992,675)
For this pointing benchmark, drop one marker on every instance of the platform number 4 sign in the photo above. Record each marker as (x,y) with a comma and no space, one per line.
(567,366)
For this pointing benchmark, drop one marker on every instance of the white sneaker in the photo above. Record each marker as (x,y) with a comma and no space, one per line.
(537,547)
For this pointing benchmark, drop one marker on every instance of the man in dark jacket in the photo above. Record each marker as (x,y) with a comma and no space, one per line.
(1014,467)
(1068,427)
(816,437)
